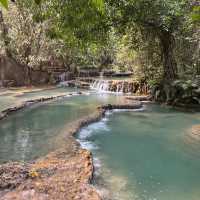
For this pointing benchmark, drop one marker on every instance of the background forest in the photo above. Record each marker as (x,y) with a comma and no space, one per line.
(158,40)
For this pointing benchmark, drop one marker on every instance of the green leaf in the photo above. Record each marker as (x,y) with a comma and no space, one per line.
(4,3)
(196,14)
(99,4)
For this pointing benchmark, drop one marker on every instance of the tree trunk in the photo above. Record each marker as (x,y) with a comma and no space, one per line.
(4,34)
(28,78)
(169,61)
(1,70)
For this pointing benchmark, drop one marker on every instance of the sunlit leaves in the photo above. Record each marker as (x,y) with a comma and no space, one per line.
(79,21)
(196,14)
(158,13)
(99,4)
(4,3)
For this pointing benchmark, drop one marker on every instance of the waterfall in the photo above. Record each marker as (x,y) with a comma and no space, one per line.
(100,85)
(101,75)
(105,86)
(62,77)
(118,86)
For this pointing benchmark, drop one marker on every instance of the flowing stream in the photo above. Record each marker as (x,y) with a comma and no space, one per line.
(148,154)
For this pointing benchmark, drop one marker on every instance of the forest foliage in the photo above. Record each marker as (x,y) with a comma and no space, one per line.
(159,40)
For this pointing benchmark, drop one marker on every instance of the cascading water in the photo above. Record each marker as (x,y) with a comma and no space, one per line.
(115,86)
(119,86)
(62,79)
(100,85)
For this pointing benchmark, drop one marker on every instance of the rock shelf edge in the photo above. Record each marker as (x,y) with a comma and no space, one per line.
(65,174)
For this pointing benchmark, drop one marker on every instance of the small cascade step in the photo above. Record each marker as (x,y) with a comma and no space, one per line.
(120,86)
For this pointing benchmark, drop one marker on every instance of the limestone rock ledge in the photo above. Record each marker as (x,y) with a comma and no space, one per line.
(62,175)
(194,133)
(8,111)
(58,176)
(139,98)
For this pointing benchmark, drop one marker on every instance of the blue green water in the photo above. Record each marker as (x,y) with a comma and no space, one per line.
(48,92)
(11,98)
(37,130)
(146,155)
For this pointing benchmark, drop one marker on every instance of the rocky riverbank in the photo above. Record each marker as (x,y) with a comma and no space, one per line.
(62,175)
(58,176)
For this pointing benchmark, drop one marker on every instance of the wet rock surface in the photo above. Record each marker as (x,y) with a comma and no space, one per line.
(12,175)
(192,138)
(134,105)
(196,130)
(194,133)
(139,98)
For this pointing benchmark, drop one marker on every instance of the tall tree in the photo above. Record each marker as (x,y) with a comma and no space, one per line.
(161,17)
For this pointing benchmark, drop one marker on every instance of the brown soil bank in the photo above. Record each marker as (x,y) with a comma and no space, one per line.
(62,175)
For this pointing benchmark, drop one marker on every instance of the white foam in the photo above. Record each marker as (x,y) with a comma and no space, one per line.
(105,119)
(97,166)
(97,162)
(109,112)
(85,133)
(87,145)
(99,126)
(92,129)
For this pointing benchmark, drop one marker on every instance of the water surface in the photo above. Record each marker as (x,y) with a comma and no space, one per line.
(146,155)
(10,97)
(35,131)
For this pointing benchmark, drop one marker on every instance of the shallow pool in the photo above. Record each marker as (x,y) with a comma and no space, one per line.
(10,97)
(148,154)
(35,131)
